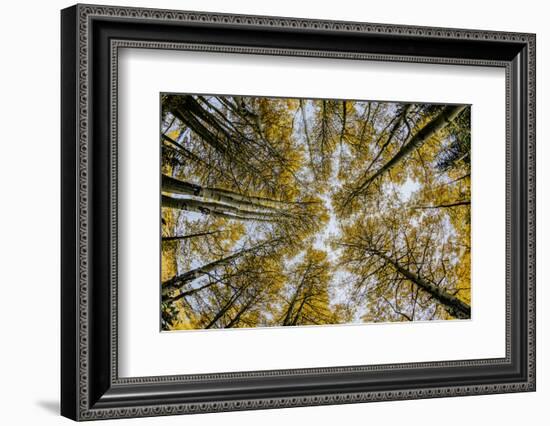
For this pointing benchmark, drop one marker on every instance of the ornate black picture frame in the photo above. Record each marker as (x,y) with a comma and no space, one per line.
(91,387)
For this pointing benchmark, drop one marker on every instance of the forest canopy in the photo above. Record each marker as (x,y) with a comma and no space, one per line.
(289,212)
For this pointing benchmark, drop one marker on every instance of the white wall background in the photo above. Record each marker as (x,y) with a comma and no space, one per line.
(29,217)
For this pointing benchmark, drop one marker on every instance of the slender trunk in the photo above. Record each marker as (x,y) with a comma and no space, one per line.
(253,121)
(225,308)
(325,138)
(467,175)
(231,146)
(344,121)
(226,145)
(179,148)
(446,116)
(393,131)
(308,140)
(228,134)
(202,131)
(198,111)
(445,205)
(365,119)
(185,237)
(224,117)
(227,123)
(286,320)
(299,310)
(179,281)
(454,305)
(177,186)
(217,209)
(186,109)
(195,116)
(237,317)
(262,200)
(182,294)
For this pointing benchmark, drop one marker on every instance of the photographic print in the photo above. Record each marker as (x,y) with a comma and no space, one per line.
(306,212)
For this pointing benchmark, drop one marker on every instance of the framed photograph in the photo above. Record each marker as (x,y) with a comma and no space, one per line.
(263,212)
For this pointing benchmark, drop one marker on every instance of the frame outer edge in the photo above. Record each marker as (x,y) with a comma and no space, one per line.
(69,220)
(80,207)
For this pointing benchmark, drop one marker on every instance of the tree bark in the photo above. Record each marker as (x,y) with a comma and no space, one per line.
(180,109)
(225,308)
(243,309)
(308,140)
(446,116)
(170,184)
(183,294)
(223,142)
(185,237)
(290,308)
(262,200)
(179,147)
(445,205)
(179,281)
(454,305)
(402,118)
(217,209)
